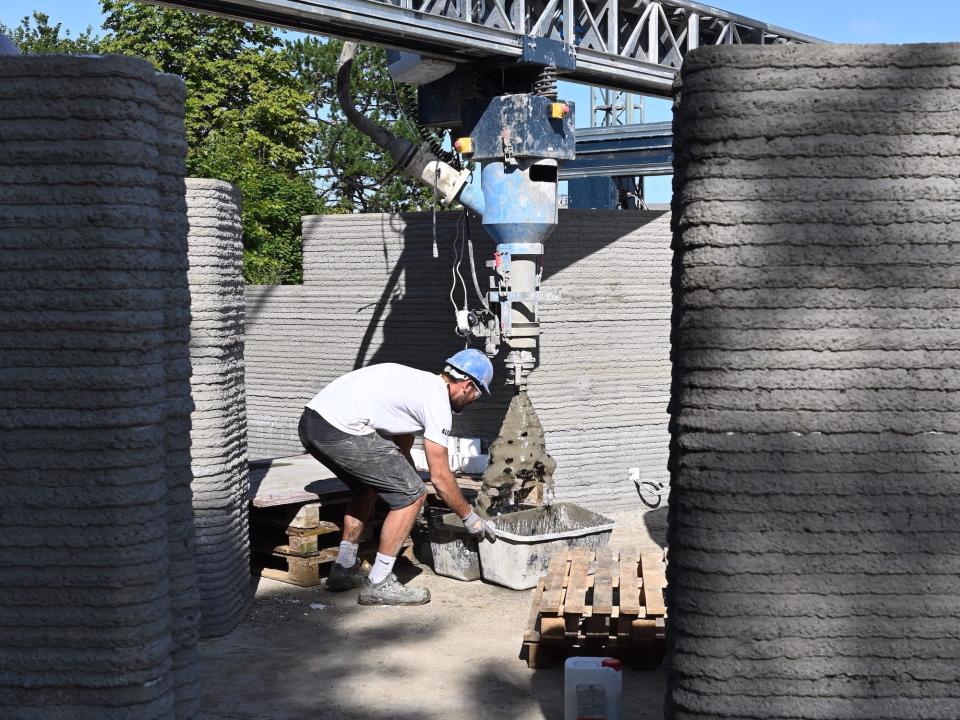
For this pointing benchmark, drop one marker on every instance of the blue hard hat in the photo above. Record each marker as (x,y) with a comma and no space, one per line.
(475,365)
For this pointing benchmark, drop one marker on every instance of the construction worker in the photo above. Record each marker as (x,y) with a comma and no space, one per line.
(361,426)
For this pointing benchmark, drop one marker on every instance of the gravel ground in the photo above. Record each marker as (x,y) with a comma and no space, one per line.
(310,653)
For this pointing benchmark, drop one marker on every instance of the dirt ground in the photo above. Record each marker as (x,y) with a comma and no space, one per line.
(309,653)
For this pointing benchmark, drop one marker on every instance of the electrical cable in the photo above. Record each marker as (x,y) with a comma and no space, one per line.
(473,262)
(455,273)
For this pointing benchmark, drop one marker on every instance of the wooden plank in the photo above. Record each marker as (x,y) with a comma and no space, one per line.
(629,584)
(576,594)
(575,598)
(553,584)
(598,624)
(287,480)
(628,594)
(654,581)
(531,634)
(603,583)
(321,556)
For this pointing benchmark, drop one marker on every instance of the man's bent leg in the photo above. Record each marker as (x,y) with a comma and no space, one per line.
(397,526)
(357,514)
(346,572)
(381,586)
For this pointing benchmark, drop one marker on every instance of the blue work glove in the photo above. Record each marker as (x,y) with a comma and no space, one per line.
(478,527)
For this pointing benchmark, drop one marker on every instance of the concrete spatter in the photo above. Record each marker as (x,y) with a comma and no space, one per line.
(814,493)
(520,469)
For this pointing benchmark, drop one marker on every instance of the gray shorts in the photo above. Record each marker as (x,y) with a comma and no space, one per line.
(362,462)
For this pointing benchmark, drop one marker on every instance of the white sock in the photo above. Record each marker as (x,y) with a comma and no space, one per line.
(347,555)
(381,568)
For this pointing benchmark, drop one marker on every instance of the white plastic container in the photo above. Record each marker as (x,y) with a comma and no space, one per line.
(524,545)
(592,689)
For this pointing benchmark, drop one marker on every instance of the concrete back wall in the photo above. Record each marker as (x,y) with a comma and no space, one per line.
(373,292)
(813,536)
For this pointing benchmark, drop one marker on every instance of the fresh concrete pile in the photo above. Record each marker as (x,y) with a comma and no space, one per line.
(813,547)
(373,292)
(96,611)
(220,482)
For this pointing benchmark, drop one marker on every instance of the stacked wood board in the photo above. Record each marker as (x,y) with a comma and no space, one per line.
(599,603)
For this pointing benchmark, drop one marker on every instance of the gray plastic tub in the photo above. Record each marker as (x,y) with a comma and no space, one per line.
(454,550)
(526,540)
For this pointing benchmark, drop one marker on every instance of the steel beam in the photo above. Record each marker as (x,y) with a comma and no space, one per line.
(636,150)
(634,47)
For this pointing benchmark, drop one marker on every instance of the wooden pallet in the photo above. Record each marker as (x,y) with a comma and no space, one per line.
(616,610)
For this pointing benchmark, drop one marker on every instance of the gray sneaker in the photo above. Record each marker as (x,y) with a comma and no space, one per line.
(341,578)
(390,592)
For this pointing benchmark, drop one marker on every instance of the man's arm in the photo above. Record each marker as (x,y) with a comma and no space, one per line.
(443,480)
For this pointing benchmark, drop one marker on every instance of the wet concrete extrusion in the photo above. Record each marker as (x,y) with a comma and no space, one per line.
(520,470)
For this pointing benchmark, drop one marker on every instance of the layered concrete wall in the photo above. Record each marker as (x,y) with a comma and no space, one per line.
(93,341)
(374,292)
(220,482)
(813,542)
(184,596)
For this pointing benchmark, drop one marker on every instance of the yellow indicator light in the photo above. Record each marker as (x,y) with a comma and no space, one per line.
(464,145)
(558,110)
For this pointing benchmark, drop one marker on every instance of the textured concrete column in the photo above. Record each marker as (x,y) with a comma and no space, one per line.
(814,567)
(184,595)
(219,421)
(86,336)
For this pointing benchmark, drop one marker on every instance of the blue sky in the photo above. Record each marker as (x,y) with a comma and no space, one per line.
(854,21)
(834,20)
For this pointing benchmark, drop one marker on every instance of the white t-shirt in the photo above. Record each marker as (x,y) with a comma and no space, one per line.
(389,398)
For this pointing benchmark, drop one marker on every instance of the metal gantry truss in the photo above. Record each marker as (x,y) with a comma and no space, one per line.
(628,45)
(609,107)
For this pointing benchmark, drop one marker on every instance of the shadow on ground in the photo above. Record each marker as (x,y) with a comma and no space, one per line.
(309,653)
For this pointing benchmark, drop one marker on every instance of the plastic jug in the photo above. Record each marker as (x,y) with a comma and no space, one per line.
(592,689)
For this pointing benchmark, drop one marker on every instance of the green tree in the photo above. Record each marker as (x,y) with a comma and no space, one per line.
(246,120)
(46,38)
(353,174)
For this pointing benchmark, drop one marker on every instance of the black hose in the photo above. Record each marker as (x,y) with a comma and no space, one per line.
(407,102)
(381,136)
